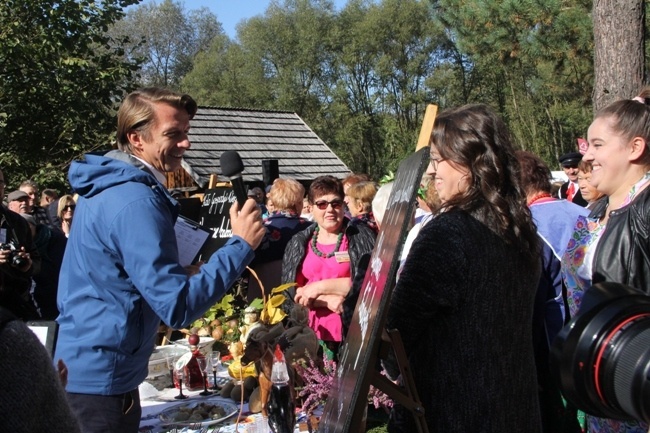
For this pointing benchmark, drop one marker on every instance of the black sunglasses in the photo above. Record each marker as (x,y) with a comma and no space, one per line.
(69,207)
(322,204)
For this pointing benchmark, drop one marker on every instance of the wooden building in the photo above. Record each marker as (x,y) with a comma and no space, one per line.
(257,136)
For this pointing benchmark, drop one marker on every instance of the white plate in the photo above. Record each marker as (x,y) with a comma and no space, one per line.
(168,415)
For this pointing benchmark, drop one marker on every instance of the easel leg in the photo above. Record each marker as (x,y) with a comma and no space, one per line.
(406,395)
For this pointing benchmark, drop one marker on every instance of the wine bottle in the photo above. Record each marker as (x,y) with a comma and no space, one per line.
(281,408)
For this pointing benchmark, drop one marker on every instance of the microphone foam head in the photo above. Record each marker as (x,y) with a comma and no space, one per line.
(231,163)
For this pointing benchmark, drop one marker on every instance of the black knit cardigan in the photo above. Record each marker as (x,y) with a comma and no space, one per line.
(463,305)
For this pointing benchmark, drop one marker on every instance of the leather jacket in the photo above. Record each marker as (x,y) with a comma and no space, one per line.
(361,240)
(14,283)
(623,251)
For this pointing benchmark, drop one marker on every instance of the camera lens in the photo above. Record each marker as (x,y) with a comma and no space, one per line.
(625,363)
(17,260)
(602,357)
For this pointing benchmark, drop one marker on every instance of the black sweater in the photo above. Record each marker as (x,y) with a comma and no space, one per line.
(463,306)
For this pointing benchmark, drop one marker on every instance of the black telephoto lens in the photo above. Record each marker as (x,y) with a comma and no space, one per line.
(602,357)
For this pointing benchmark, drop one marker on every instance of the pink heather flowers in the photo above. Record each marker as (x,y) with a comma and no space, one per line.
(317,382)
(319,379)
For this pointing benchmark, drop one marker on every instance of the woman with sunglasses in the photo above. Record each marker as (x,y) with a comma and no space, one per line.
(464,301)
(65,213)
(324,259)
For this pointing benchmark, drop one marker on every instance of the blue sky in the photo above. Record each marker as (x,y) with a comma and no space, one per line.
(230,12)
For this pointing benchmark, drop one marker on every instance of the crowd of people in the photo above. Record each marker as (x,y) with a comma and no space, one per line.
(41,237)
(495,264)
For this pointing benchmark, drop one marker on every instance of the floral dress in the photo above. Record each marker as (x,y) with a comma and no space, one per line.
(577,259)
(576,273)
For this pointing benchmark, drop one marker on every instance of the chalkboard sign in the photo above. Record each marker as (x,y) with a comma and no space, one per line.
(190,207)
(358,355)
(215,216)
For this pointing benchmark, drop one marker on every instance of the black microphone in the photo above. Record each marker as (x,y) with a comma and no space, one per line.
(232,167)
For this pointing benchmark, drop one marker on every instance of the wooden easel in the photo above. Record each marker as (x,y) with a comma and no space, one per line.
(367,341)
(407,394)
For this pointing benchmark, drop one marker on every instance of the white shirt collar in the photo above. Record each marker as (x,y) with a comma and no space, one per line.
(160,177)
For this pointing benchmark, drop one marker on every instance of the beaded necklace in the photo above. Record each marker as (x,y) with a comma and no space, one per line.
(318,252)
(539,197)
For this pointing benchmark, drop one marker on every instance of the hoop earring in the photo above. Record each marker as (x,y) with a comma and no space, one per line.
(459,181)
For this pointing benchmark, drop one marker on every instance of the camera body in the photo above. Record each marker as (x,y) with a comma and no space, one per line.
(601,358)
(14,258)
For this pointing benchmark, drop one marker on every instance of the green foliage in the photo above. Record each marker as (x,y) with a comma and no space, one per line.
(166,38)
(529,59)
(361,77)
(227,75)
(223,308)
(58,83)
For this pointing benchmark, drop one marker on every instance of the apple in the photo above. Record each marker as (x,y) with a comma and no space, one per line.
(194,340)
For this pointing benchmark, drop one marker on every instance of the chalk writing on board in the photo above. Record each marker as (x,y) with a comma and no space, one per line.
(215,216)
(216,202)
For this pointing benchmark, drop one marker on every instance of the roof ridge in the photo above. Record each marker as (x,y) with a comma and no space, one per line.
(260,110)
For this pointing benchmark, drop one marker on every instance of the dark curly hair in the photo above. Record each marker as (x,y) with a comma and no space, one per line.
(475,138)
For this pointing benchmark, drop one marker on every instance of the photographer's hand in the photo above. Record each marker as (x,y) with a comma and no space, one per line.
(4,256)
(7,258)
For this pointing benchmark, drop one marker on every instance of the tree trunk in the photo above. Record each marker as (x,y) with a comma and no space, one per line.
(618,50)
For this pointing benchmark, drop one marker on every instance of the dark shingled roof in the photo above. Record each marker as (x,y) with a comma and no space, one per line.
(257,135)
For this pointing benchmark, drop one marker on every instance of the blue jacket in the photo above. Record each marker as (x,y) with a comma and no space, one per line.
(120,275)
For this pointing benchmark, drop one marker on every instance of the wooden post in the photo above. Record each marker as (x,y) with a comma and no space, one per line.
(427,126)
(212,182)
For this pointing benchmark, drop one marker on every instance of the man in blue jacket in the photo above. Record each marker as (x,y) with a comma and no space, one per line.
(120,274)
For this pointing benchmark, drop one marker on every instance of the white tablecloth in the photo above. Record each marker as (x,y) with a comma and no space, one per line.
(153,402)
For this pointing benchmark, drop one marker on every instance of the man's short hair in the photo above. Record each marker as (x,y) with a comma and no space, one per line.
(29,182)
(353,178)
(137,111)
(49,192)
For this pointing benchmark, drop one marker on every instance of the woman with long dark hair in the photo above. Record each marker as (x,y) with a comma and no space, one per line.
(464,301)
